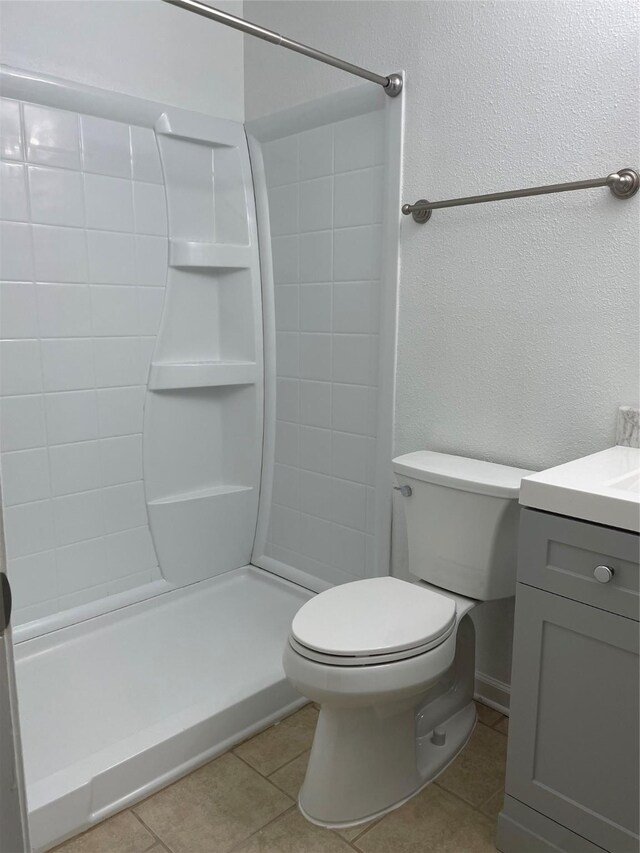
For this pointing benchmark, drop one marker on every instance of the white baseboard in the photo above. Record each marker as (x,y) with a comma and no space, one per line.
(496,694)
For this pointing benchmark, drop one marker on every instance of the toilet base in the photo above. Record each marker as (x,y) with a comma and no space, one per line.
(432,761)
(367,760)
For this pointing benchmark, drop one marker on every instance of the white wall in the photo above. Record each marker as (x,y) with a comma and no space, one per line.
(139,47)
(518,320)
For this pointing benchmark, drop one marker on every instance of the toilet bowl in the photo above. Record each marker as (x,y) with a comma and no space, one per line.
(370,753)
(390,662)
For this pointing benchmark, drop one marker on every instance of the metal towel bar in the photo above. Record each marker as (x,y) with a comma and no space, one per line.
(623,184)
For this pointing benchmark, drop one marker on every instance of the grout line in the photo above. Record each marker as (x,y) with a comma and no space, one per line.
(466,802)
(268,776)
(243,841)
(148,828)
(265,777)
(366,829)
(89,829)
(484,803)
(266,729)
(275,785)
(286,764)
(324,517)
(282,768)
(250,766)
(492,725)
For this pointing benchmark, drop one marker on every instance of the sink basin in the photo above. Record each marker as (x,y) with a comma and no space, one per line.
(603,487)
(630,483)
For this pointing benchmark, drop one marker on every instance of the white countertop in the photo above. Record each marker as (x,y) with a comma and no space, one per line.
(603,487)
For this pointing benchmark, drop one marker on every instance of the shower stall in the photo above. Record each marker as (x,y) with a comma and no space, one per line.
(197,343)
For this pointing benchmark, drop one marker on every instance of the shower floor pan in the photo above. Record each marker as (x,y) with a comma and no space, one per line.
(116,707)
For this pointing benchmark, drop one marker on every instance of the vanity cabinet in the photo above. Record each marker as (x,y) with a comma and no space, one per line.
(573,756)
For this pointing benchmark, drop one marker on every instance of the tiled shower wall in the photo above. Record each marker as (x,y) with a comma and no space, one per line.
(325,190)
(83,263)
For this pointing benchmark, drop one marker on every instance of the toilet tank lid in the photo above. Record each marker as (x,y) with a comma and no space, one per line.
(460,472)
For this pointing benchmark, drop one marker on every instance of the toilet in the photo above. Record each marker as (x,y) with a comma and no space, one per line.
(390,662)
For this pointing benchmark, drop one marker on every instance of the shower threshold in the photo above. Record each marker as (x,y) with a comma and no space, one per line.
(118,706)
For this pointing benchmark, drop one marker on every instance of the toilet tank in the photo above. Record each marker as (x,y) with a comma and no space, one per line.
(462,522)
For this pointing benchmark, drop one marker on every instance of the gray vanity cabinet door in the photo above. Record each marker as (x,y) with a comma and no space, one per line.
(573,738)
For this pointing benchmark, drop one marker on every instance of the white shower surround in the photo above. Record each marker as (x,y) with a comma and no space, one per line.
(204,397)
(221,639)
(83,268)
(329,356)
(83,762)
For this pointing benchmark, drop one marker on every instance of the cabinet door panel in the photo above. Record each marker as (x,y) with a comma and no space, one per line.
(573,740)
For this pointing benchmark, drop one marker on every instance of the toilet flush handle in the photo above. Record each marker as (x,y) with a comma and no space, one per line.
(405,491)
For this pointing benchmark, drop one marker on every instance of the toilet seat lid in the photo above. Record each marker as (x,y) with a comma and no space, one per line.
(373,616)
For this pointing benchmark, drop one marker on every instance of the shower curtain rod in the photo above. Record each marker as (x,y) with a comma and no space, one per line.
(623,184)
(392,84)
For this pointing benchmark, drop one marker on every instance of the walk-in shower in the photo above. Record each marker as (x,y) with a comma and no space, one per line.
(197,352)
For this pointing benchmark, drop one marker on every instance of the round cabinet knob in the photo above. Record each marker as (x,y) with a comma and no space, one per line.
(603,574)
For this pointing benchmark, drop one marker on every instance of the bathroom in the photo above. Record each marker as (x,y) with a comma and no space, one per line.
(242,394)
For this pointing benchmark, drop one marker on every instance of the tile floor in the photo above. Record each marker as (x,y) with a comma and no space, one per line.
(244,802)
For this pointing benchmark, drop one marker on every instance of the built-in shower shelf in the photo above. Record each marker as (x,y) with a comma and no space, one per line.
(210,492)
(188,253)
(203,531)
(165,376)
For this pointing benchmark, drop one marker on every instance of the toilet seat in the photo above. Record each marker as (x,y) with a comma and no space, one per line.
(364,660)
(373,621)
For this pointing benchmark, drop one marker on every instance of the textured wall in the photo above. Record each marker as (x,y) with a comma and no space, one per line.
(139,47)
(518,321)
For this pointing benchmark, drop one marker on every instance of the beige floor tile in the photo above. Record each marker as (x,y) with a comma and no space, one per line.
(278,745)
(493,806)
(214,808)
(488,716)
(503,726)
(478,772)
(290,777)
(123,833)
(433,821)
(293,834)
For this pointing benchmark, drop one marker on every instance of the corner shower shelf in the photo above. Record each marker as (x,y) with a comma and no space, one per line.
(197,128)
(211,492)
(188,253)
(204,532)
(166,376)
